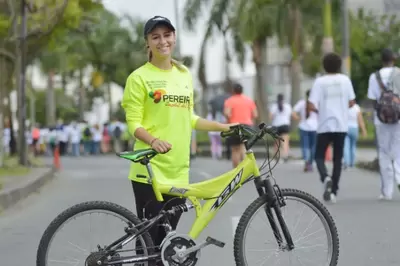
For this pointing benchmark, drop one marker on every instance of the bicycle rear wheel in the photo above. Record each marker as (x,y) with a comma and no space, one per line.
(290,257)
(90,253)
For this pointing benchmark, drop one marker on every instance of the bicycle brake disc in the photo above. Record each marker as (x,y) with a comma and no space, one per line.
(175,244)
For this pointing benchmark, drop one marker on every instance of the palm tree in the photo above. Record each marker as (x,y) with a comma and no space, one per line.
(294,31)
(255,27)
(218,22)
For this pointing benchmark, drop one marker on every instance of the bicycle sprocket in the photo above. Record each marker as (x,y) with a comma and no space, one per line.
(178,243)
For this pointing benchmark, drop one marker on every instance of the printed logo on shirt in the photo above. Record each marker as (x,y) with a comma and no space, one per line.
(171,100)
(157,95)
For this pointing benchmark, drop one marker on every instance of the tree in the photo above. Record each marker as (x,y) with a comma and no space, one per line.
(255,28)
(219,22)
(369,35)
(43,20)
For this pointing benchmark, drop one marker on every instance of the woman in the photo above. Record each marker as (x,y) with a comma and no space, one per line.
(158,102)
(280,114)
(308,125)
(356,121)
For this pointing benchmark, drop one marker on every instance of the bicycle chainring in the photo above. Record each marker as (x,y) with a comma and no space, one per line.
(94,257)
(178,243)
(99,256)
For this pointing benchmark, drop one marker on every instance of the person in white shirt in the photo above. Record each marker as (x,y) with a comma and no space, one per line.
(331,96)
(308,123)
(75,138)
(388,135)
(96,139)
(280,113)
(356,122)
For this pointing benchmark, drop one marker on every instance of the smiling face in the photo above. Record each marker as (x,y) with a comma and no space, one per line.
(161,41)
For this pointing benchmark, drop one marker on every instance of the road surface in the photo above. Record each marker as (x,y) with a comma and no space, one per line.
(368,229)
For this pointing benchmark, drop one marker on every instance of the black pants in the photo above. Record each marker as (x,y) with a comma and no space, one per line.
(323,141)
(148,206)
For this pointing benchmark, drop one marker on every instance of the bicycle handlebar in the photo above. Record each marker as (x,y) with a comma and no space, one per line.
(251,135)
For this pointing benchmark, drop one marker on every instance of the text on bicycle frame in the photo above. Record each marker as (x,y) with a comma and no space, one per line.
(228,191)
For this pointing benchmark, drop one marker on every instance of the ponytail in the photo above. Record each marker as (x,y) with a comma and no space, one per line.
(280,102)
(179,65)
(308,109)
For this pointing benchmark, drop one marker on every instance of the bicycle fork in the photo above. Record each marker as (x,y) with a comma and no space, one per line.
(275,202)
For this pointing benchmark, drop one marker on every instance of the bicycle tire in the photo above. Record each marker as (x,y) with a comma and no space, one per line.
(294,193)
(82,207)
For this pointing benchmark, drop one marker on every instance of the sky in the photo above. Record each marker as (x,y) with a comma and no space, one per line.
(190,41)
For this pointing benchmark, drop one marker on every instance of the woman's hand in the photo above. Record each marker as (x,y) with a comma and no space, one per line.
(160,146)
(227,127)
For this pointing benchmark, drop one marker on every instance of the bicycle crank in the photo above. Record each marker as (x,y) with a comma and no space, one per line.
(181,250)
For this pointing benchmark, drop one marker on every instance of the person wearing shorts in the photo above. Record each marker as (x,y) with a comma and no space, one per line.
(280,114)
(242,110)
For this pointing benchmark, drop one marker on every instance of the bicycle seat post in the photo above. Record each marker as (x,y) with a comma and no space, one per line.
(146,162)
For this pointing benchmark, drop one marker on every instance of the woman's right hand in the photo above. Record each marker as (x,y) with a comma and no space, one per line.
(161,146)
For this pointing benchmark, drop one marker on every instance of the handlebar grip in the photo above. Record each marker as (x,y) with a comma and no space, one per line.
(226,134)
(273,131)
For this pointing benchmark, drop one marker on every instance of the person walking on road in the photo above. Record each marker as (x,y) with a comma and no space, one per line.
(215,137)
(280,113)
(356,122)
(158,103)
(388,134)
(308,123)
(331,96)
(242,110)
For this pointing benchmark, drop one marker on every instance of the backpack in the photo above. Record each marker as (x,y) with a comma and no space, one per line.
(117,132)
(388,105)
(87,132)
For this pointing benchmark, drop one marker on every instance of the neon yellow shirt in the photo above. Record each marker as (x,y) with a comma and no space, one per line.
(161,101)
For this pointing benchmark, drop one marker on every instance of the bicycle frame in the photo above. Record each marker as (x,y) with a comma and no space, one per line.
(215,191)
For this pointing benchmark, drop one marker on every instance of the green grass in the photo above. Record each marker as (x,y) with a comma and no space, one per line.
(14,171)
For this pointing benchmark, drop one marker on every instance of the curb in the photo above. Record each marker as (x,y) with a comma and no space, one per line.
(11,196)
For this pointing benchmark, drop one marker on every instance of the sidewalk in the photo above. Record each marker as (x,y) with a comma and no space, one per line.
(13,188)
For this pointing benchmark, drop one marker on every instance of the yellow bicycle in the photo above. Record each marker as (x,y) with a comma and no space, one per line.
(180,249)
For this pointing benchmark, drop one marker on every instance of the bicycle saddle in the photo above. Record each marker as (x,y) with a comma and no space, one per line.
(137,155)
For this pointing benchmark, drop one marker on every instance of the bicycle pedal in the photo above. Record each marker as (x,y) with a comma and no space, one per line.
(215,242)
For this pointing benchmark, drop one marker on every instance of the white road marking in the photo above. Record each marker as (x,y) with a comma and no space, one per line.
(235,222)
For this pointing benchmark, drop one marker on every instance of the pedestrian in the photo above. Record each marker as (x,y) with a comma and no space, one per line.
(356,122)
(239,109)
(158,103)
(215,137)
(308,124)
(280,114)
(381,83)
(331,96)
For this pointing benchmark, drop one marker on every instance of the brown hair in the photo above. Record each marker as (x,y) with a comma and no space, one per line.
(308,109)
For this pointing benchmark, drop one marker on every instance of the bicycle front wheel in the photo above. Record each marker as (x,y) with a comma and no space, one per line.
(311,246)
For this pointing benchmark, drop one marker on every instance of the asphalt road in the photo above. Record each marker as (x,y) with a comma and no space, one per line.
(368,228)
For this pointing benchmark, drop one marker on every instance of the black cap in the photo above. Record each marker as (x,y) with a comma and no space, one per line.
(155,21)
(387,55)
